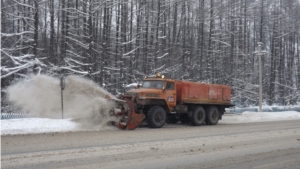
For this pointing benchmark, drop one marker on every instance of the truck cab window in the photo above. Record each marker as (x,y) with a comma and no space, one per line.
(146,84)
(152,84)
(157,84)
(170,86)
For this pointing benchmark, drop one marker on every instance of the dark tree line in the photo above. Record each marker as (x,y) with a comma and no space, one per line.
(118,42)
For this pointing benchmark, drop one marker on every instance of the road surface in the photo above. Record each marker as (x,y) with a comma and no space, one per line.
(260,145)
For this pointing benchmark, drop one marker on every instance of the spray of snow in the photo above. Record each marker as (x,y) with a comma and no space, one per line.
(83,100)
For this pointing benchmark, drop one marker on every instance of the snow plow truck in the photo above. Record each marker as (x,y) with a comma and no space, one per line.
(160,100)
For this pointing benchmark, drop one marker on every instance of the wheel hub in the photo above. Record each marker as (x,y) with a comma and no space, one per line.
(158,117)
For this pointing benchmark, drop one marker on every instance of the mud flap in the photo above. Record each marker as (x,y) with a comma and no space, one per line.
(133,119)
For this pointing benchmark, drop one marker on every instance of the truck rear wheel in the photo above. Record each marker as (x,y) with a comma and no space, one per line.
(212,115)
(198,116)
(156,117)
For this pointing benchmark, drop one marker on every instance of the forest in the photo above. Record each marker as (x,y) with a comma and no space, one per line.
(118,42)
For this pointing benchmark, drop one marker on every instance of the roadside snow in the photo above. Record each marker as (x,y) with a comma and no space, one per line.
(43,125)
(248,117)
(36,125)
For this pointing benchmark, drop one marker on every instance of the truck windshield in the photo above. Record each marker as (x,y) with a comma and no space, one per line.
(153,84)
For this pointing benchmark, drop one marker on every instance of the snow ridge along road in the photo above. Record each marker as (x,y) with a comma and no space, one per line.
(44,125)
(249,145)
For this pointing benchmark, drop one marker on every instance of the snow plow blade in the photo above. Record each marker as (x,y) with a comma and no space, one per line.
(133,119)
(128,118)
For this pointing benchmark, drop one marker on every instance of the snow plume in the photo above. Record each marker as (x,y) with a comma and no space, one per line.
(40,96)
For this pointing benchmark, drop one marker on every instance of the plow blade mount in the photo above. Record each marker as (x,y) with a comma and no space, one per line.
(133,119)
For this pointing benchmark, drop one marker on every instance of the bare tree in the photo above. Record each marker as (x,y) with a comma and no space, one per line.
(117,42)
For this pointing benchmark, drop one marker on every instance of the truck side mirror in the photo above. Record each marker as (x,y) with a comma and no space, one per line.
(164,88)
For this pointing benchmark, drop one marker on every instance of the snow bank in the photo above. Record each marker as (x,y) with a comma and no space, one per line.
(265,108)
(44,125)
(36,125)
(248,117)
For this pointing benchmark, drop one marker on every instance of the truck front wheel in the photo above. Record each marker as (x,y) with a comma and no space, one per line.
(212,116)
(156,117)
(198,116)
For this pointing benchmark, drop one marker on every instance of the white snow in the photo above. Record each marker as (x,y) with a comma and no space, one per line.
(130,51)
(44,125)
(36,125)
(16,34)
(160,57)
(248,117)
(131,85)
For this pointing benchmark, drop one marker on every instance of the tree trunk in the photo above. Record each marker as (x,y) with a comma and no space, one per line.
(63,32)
(174,36)
(51,51)
(36,31)
(210,45)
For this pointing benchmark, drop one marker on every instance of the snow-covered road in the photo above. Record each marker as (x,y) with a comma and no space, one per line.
(263,145)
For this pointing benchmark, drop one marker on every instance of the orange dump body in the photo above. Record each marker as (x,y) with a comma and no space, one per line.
(202,93)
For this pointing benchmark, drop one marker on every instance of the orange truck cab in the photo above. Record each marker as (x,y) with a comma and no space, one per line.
(162,100)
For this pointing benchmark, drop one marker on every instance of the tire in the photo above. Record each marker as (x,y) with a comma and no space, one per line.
(198,116)
(172,120)
(156,117)
(212,115)
(184,118)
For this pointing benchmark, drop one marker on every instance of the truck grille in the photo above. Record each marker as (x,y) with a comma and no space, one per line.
(130,94)
(152,95)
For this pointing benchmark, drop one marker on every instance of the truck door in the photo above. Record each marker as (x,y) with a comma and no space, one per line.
(171,94)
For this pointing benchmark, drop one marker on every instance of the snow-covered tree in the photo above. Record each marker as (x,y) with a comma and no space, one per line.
(118,42)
